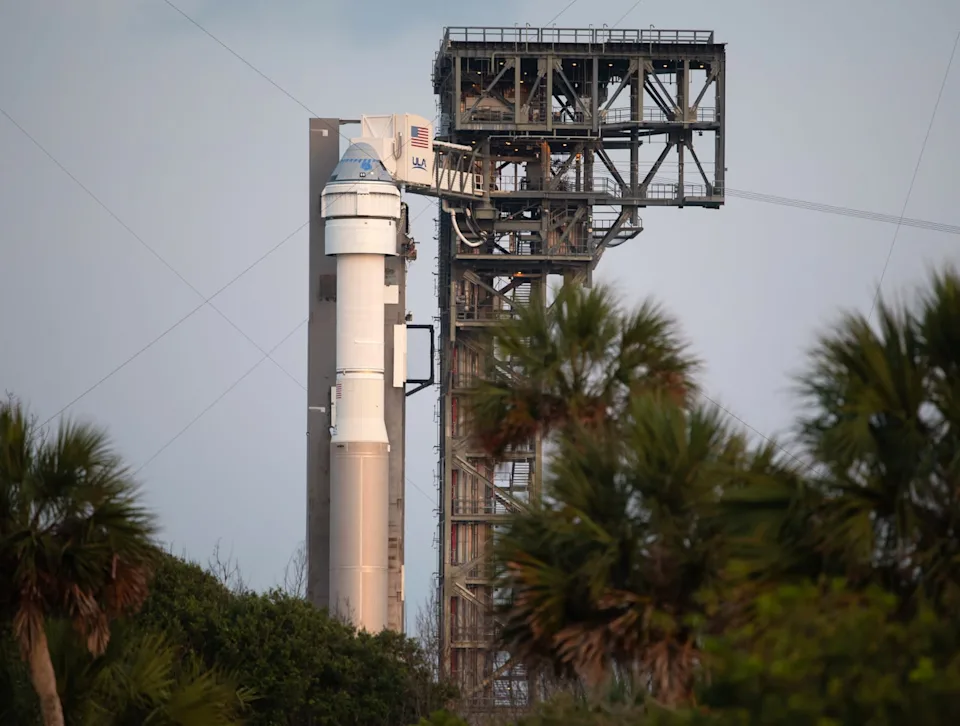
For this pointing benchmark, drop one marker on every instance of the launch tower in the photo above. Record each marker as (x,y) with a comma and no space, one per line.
(567,133)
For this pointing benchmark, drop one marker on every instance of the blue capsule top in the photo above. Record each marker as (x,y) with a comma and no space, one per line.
(361,163)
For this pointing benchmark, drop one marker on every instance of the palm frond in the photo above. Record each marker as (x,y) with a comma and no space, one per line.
(75,542)
(578,361)
(607,572)
(140,678)
(883,423)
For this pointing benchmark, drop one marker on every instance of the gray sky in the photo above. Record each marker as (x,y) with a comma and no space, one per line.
(207,163)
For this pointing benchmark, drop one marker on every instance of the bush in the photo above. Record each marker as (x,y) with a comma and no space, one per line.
(305,667)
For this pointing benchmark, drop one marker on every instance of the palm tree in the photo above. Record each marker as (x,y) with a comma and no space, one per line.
(580,360)
(141,678)
(881,428)
(601,573)
(606,573)
(74,540)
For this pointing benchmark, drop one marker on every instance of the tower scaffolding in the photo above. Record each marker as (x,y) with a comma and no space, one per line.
(554,126)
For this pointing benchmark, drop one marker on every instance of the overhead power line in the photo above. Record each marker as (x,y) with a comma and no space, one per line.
(264,76)
(913,180)
(844,211)
(419,489)
(176,325)
(219,398)
(768,439)
(243,60)
(140,239)
(624,16)
(831,209)
(173,439)
(744,194)
(899,221)
(754,196)
(809,206)
(749,195)
(207,300)
(556,17)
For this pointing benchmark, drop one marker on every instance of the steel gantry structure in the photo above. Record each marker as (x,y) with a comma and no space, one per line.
(564,135)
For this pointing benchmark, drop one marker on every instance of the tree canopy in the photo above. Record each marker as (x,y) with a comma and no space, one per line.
(304,666)
(724,581)
(677,572)
(76,543)
(264,659)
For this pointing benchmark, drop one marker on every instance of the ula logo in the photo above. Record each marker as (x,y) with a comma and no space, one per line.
(419,163)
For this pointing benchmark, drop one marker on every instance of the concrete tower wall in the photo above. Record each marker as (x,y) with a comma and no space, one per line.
(321,363)
(394,409)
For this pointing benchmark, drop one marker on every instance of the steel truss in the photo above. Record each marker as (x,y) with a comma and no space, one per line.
(550,126)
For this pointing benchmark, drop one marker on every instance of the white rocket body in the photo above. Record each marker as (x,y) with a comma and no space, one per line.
(361,208)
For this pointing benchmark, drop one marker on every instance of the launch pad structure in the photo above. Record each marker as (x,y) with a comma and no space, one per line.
(550,141)
(560,120)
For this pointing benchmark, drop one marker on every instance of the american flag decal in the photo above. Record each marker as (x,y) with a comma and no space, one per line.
(419,137)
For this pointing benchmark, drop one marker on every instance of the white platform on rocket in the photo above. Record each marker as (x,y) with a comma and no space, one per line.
(361,209)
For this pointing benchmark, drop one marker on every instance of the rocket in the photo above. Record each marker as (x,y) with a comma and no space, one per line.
(361,210)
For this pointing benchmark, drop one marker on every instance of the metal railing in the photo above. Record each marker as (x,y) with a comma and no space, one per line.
(654,114)
(471,633)
(463,430)
(603,223)
(526,248)
(566,183)
(466,378)
(533,114)
(671,191)
(486,311)
(608,186)
(467,505)
(521,449)
(489,115)
(485,569)
(591,36)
